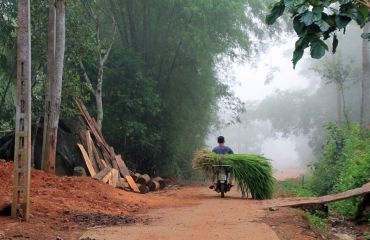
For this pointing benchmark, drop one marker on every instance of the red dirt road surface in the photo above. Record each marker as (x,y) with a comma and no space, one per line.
(210,217)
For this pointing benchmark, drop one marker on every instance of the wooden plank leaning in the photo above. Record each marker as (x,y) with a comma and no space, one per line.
(115,178)
(87,160)
(100,141)
(87,144)
(97,157)
(125,173)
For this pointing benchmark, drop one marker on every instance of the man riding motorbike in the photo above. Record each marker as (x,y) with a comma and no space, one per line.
(220,149)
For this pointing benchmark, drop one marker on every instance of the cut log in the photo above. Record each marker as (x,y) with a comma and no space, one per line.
(87,160)
(153,185)
(100,175)
(143,188)
(135,176)
(312,201)
(161,182)
(125,173)
(143,179)
(115,178)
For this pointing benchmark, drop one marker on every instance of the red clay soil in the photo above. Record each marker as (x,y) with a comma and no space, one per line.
(65,206)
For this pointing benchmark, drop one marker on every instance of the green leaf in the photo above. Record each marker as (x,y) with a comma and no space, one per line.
(297,55)
(318,48)
(363,10)
(310,17)
(302,9)
(317,10)
(341,21)
(335,43)
(307,18)
(302,42)
(276,12)
(344,1)
(330,20)
(298,26)
(324,26)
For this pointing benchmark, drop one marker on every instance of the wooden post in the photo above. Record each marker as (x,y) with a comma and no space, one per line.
(22,151)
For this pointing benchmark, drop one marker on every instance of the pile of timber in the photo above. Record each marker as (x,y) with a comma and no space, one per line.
(146,184)
(105,165)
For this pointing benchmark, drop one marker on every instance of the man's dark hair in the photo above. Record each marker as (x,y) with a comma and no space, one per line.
(221,139)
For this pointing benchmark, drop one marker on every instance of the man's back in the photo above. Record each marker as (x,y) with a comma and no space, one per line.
(222,150)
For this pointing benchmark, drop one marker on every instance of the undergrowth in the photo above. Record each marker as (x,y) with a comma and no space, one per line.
(317,222)
(344,165)
(292,188)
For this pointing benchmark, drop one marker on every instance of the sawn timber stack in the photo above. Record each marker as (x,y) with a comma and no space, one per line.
(104,164)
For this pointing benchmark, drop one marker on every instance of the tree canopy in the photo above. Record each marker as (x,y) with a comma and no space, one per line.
(161,88)
(316,21)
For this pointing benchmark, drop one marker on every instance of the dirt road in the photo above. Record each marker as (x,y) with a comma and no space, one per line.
(208,217)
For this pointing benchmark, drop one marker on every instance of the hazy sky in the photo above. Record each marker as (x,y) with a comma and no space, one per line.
(250,81)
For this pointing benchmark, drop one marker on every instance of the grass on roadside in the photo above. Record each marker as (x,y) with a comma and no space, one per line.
(292,188)
(317,222)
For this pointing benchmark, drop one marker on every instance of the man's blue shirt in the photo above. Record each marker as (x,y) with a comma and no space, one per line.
(222,150)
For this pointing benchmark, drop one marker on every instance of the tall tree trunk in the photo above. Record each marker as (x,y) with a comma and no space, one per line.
(345,113)
(56,92)
(365,80)
(339,105)
(99,96)
(98,91)
(49,82)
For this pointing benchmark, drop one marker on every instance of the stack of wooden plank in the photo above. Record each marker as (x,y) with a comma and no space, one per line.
(104,164)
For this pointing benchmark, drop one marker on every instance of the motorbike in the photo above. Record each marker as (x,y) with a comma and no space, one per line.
(223,178)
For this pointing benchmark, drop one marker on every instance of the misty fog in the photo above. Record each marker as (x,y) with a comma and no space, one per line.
(278,121)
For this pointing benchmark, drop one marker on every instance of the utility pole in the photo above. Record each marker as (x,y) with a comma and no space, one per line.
(22,151)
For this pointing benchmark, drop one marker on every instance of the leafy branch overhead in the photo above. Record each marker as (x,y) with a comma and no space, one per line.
(315,21)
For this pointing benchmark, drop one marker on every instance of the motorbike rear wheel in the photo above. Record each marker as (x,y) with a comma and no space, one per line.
(222,190)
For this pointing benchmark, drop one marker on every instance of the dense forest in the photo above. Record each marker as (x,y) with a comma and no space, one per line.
(147,70)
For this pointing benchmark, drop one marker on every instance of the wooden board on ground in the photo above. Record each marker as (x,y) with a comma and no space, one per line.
(315,201)
(100,175)
(125,173)
(87,160)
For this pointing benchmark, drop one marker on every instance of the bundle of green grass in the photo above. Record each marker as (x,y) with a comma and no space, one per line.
(252,173)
